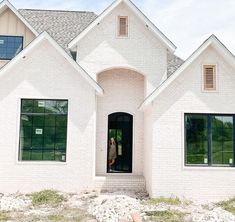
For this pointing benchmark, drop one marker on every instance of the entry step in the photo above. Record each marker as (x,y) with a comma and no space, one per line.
(120,182)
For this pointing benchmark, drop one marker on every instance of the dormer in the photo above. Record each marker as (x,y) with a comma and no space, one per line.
(15,32)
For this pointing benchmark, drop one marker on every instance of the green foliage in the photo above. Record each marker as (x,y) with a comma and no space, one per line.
(165,216)
(165,200)
(47,197)
(228,205)
(4,216)
(62,218)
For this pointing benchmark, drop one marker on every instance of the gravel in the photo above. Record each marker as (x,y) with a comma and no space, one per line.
(117,206)
(12,202)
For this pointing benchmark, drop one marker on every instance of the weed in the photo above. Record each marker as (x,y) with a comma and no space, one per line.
(4,216)
(165,216)
(165,200)
(47,197)
(228,205)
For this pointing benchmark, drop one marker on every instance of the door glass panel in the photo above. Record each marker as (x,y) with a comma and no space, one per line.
(119,141)
(120,128)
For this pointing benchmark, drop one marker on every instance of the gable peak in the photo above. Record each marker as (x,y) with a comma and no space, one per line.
(152,28)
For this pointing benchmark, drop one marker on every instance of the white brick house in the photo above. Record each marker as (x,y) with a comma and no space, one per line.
(70,81)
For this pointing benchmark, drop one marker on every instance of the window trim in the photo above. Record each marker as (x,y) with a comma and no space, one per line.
(118,26)
(203,79)
(20,36)
(209,164)
(39,162)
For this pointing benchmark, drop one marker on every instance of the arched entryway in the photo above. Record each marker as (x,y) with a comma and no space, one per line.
(123,93)
(120,127)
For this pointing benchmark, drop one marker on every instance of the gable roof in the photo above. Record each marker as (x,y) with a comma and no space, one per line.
(60,50)
(63,26)
(211,41)
(137,12)
(6,4)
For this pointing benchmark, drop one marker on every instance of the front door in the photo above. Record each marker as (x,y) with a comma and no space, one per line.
(120,127)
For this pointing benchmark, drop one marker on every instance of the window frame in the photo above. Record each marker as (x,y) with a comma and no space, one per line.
(51,162)
(215,89)
(118,26)
(22,47)
(209,141)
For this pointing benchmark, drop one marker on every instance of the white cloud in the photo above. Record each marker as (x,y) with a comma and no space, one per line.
(187,23)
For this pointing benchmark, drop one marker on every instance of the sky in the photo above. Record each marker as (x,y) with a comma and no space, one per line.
(187,23)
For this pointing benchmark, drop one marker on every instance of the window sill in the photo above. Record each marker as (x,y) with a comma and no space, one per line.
(210,91)
(207,168)
(41,163)
(5,60)
(123,37)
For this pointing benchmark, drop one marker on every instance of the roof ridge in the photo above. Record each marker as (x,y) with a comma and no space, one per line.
(54,10)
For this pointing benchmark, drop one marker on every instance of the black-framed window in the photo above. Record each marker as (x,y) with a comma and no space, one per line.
(43,130)
(209,139)
(10,46)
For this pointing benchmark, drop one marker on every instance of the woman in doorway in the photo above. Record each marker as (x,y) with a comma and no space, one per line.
(112,153)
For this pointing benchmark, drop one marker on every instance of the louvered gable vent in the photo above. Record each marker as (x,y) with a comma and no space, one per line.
(123,26)
(209,77)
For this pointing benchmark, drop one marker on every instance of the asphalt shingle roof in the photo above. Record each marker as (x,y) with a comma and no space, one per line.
(173,63)
(64,26)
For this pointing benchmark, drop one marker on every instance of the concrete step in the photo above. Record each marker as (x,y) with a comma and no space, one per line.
(120,182)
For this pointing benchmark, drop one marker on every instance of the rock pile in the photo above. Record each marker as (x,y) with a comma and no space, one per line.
(14,202)
(118,206)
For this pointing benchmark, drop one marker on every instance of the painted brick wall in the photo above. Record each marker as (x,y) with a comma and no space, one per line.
(124,91)
(46,74)
(147,157)
(101,49)
(170,176)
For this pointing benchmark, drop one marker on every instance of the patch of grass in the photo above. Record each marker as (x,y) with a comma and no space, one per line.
(228,205)
(56,215)
(68,214)
(4,216)
(65,217)
(165,216)
(206,207)
(165,200)
(47,197)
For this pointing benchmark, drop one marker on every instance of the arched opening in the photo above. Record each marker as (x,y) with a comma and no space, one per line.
(123,93)
(119,158)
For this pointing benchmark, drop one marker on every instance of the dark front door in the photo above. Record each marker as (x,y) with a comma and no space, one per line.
(120,127)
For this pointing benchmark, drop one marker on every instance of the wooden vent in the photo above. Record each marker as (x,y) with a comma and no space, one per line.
(123,26)
(209,76)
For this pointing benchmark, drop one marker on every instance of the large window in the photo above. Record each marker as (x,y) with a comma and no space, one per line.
(10,46)
(209,139)
(43,130)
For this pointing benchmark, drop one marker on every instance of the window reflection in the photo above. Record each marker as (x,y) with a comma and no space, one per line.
(10,46)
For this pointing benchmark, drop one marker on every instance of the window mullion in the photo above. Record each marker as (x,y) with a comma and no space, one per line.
(209,140)
(233,140)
